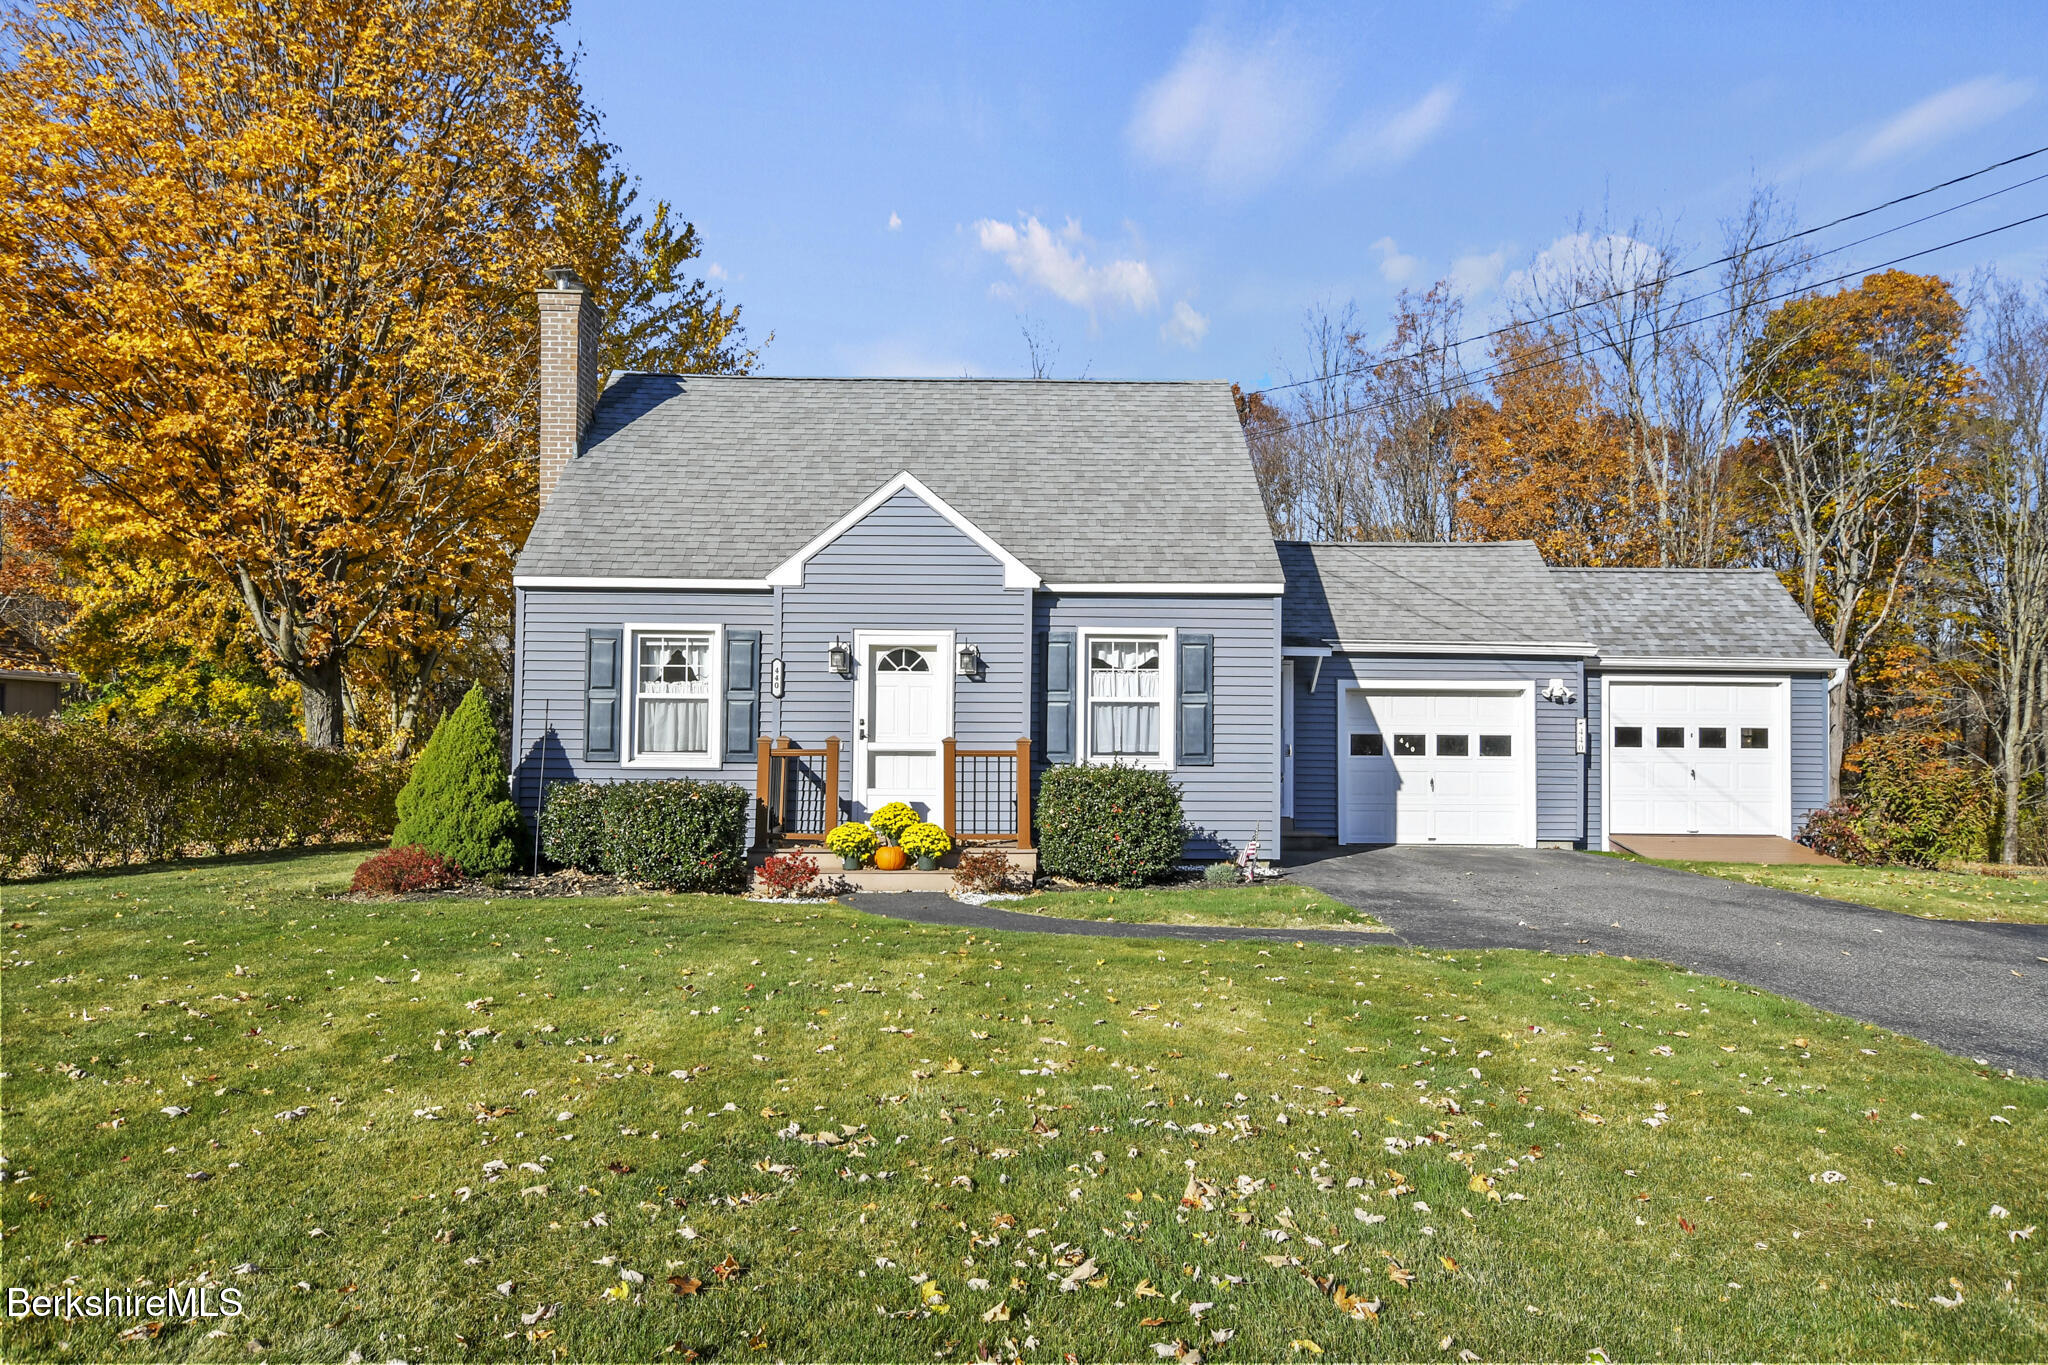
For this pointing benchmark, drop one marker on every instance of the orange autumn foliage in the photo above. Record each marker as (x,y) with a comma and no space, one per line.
(270,268)
(1546,462)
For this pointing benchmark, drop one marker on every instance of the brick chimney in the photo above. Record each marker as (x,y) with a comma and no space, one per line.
(568,372)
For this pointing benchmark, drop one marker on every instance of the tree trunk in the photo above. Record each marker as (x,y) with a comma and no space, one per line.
(321,703)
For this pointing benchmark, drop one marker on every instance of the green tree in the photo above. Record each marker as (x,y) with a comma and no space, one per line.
(652,313)
(458,802)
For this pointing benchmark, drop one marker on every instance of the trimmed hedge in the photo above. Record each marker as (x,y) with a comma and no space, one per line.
(1113,825)
(682,835)
(82,794)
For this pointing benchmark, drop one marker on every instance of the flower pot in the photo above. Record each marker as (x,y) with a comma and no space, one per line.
(891,858)
(927,863)
(850,861)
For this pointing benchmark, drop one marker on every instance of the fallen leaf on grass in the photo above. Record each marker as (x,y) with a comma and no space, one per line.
(1365,1310)
(728,1269)
(1304,1344)
(999,1313)
(1400,1274)
(683,1284)
(1146,1291)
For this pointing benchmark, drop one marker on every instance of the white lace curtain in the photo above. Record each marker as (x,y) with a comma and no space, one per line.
(1123,694)
(675,694)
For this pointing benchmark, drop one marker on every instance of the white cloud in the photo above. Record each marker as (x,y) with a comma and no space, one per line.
(1957,109)
(1390,139)
(1395,268)
(1186,327)
(895,223)
(1058,264)
(714,271)
(1474,274)
(1613,259)
(1234,112)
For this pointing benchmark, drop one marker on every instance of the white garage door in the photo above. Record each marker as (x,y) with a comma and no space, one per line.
(1435,767)
(1694,758)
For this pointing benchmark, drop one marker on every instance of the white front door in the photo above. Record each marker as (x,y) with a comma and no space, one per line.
(1694,758)
(1435,767)
(906,712)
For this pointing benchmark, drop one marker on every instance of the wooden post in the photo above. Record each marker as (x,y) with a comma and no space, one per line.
(831,783)
(1024,793)
(764,790)
(949,758)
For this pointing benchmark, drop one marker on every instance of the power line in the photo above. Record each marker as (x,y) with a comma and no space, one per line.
(1723,260)
(1474,380)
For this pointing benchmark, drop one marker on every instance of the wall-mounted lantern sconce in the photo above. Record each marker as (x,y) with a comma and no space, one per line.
(970,660)
(839,658)
(775,679)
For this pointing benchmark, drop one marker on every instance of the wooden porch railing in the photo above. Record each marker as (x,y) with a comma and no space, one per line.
(988,794)
(986,798)
(796,791)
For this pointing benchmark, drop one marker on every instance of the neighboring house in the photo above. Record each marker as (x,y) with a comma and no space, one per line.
(843,592)
(30,684)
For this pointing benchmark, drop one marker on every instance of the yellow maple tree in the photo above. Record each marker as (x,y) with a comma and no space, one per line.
(272,265)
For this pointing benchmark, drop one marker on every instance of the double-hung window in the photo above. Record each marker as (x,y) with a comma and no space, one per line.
(1130,692)
(675,696)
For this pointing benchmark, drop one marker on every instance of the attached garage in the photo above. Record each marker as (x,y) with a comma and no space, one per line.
(1698,757)
(1436,763)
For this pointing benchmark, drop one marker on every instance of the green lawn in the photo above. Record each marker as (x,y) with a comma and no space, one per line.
(1271,905)
(1568,1155)
(1910,891)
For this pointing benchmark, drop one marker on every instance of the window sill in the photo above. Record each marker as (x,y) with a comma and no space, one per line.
(675,762)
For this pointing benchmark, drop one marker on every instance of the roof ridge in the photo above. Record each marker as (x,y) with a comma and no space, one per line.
(911,379)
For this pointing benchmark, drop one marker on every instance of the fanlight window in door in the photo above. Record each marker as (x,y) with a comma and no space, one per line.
(674,693)
(904,661)
(1123,697)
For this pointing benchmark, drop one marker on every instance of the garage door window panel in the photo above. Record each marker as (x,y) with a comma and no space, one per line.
(1411,746)
(1453,746)
(1758,737)
(1368,746)
(1713,737)
(1628,736)
(1671,736)
(1496,746)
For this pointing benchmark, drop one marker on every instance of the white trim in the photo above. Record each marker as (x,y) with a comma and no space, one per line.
(1723,665)
(865,643)
(1525,734)
(1305,652)
(790,573)
(1289,718)
(1176,589)
(1169,695)
(1781,812)
(670,584)
(30,675)
(629,755)
(1425,648)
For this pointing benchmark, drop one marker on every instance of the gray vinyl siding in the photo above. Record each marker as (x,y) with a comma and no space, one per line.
(1809,745)
(1560,772)
(1225,803)
(548,690)
(903,567)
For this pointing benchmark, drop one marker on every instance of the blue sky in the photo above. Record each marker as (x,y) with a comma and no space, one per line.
(1166,189)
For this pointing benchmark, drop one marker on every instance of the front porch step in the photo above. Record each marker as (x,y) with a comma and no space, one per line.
(1023,860)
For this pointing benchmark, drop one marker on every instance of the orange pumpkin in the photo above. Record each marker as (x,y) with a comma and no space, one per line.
(890,858)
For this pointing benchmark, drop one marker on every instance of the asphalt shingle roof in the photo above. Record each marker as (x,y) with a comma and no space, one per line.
(1411,593)
(722,477)
(1692,613)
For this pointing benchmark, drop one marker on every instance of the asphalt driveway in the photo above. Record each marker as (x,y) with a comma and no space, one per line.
(1980,990)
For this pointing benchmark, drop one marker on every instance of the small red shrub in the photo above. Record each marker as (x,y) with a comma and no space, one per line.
(786,876)
(409,867)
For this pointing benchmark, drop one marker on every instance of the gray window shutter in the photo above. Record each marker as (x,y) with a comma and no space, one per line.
(602,649)
(1059,696)
(1195,723)
(742,694)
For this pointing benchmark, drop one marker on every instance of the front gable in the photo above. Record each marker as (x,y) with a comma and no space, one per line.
(900,494)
